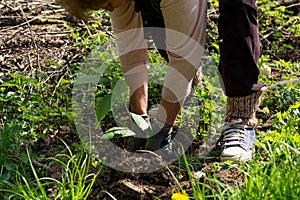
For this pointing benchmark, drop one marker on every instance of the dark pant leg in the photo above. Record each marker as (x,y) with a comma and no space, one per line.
(239,47)
(156,25)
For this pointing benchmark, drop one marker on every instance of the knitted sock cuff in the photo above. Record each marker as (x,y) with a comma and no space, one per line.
(244,108)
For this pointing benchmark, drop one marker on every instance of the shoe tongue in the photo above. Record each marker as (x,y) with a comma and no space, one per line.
(238,123)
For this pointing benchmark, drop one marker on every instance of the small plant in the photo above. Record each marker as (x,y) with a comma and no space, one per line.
(75,183)
(76,180)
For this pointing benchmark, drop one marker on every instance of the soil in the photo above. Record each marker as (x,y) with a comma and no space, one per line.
(32,35)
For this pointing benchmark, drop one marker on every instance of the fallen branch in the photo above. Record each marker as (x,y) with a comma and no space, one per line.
(294,5)
(16,21)
(286,2)
(295,80)
(38,164)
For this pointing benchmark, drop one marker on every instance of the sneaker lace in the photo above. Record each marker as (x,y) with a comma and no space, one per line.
(235,135)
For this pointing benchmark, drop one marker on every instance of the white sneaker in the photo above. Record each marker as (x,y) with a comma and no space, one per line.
(238,143)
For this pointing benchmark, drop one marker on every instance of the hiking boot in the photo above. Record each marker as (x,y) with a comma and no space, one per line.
(238,142)
(149,136)
(161,140)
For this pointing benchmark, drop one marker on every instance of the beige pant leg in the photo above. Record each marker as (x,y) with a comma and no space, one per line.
(132,47)
(185,22)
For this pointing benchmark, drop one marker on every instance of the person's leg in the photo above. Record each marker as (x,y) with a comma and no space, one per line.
(154,25)
(132,48)
(185,23)
(239,48)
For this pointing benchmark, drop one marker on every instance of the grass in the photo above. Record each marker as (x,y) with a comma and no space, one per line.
(32,109)
(272,174)
(75,182)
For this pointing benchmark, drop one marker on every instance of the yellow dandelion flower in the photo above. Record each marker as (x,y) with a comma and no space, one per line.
(179,196)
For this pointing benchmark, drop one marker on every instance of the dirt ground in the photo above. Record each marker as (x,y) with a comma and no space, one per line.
(32,34)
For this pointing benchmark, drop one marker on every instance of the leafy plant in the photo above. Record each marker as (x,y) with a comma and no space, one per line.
(274,173)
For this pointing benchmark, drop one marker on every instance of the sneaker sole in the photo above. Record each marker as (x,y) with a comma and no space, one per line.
(239,158)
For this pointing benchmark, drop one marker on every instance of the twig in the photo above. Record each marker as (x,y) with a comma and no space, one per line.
(294,5)
(57,85)
(148,151)
(38,164)
(16,21)
(295,80)
(19,25)
(285,2)
(5,5)
(87,28)
(267,35)
(33,40)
